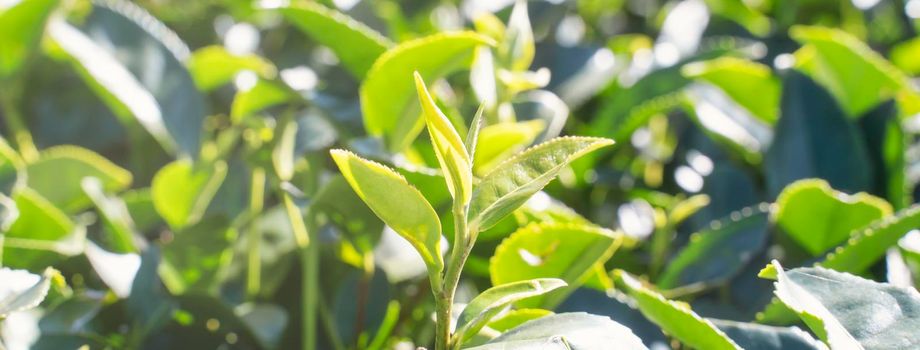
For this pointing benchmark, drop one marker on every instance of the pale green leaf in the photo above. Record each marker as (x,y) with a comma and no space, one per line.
(41,234)
(552,250)
(750,84)
(355,44)
(182,190)
(400,205)
(21,28)
(388,93)
(517,50)
(212,66)
(675,318)
(448,146)
(858,77)
(58,172)
(739,11)
(513,318)
(283,153)
(489,303)
(567,331)
(472,136)
(752,336)
(514,181)
(115,216)
(498,142)
(819,218)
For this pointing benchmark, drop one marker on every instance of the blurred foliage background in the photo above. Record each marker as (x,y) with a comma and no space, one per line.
(162,153)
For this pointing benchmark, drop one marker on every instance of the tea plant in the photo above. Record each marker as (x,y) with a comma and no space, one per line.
(396,175)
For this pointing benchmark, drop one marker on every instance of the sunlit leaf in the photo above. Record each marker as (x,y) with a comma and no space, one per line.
(750,84)
(514,181)
(21,28)
(388,92)
(22,290)
(41,234)
(262,95)
(498,142)
(397,203)
(449,148)
(182,190)
(552,250)
(357,45)
(819,218)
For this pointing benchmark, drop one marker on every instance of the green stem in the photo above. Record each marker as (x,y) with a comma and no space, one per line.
(253,235)
(14,121)
(661,243)
(445,296)
(309,254)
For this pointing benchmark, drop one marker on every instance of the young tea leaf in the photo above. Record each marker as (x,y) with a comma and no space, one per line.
(400,205)
(212,67)
(488,304)
(22,290)
(448,146)
(21,28)
(750,84)
(182,191)
(514,181)
(58,172)
(567,331)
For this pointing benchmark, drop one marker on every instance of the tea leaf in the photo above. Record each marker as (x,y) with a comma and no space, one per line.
(517,317)
(400,205)
(182,190)
(41,234)
(836,307)
(22,290)
(489,303)
(514,181)
(752,336)
(498,142)
(551,250)
(448,146)
(262,95)
(819,218)
(357,45)
(673,317)
(194,261)
(387,92)
(750,84)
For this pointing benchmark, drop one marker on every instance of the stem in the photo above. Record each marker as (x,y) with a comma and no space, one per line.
(309,267)
(445,297)
(16,124)
(253,235)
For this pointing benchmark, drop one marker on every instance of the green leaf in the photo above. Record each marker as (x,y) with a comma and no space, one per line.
(22,290)
(41,234)
(118,51)
(514,181)
(552,250)
(58,172)
(12,169)
(858,77)
(849,312)
(567,331)
(517,317)
(720,252)
(472,136)
(819,218)
(182,191)
(400,205)
(675,318)
(260,96)
(750,84)
(212,66)
(498,142)
(903,54)
(489,303)
(356,45)
(21,28)
(196,258)
(814,140)
(752,336)
(387,94)
(448,146)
